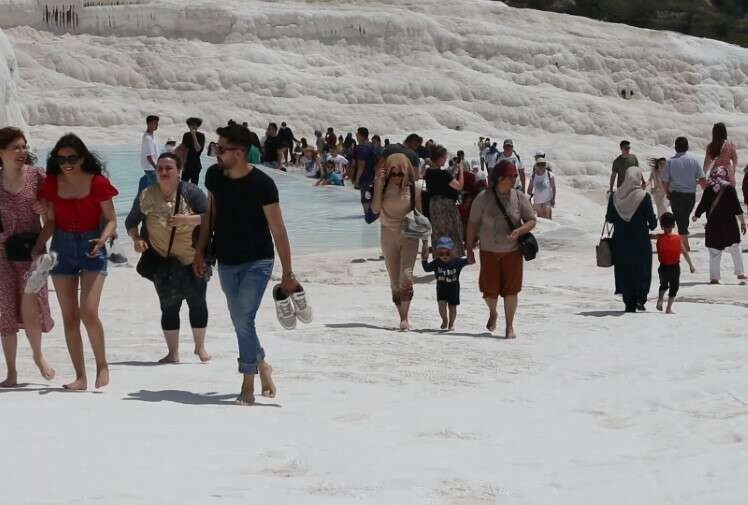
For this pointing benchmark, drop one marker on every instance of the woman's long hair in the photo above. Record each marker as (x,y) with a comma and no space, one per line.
(719,136)
(254,140)
(399,160)
(91,163)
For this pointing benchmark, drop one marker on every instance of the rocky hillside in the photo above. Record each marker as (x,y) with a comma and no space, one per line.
(725,20)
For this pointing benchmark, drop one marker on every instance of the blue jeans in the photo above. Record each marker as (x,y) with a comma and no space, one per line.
(147,180)
(72,253)
(244,286)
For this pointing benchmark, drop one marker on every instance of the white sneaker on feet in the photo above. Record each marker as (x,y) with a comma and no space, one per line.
(302,308)
(284,308)
(39,273)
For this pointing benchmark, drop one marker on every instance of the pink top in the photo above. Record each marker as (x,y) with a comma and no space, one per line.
(15,208)
(728,158)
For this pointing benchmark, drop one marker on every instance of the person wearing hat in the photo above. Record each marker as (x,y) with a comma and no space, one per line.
(509,154)
(501,262)
(194,141)
(542,189)
(170,145)
(447,268)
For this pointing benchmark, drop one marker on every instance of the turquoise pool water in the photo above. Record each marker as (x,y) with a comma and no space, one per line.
(318,219)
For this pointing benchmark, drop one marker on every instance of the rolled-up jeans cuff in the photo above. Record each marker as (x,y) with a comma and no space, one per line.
(251,368)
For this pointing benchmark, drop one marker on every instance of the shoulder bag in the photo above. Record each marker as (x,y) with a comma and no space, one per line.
(604,250)
(527,243)
(414,224)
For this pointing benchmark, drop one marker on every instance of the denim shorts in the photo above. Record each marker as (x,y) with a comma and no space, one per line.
(72,254)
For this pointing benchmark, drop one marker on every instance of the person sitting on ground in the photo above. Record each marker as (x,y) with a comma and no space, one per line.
(447,267)
(669,250)
(721,205)
(330,176)
(542,189)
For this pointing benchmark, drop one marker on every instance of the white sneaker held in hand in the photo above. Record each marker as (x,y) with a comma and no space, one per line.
(284,308)
(302,308)
(39,273)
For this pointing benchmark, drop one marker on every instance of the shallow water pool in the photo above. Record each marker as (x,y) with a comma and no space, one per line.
(318,219)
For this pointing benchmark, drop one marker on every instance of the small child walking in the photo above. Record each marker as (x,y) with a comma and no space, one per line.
(669,250)
(447,268)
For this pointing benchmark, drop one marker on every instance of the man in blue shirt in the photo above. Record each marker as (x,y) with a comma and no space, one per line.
(682,173)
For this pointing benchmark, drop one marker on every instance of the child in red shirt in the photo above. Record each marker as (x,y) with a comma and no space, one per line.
(669,250)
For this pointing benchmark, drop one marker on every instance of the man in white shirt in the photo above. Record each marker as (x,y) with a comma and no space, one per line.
(149,153)
(509,154)
(340,162)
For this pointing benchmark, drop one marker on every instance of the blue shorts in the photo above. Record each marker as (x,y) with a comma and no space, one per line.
(72,254)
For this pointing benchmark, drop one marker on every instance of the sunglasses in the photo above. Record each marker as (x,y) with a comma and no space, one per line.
(443,254)
(397,174)
(221,149)
(67,160)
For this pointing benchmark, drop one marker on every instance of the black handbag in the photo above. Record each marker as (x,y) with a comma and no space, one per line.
(527,243)
(18,246)
(150,261)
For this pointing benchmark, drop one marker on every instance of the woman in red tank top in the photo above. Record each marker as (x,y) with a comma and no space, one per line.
(82,217)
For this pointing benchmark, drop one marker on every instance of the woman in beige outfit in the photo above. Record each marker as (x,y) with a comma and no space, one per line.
(395,195)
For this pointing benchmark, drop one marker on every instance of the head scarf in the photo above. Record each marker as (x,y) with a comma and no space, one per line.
(399,160)
(630,195)
(718,179)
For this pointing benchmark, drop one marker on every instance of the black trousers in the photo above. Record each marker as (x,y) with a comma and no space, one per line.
(669,279)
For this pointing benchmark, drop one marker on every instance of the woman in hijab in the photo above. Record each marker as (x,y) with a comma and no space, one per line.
(721,205)
(631,212)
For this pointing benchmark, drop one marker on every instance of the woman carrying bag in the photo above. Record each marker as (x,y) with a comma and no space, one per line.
(170,213)
(396,196)
(631,212)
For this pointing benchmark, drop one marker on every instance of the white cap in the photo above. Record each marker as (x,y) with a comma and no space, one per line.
(539,154)
(540,159)
(171,140)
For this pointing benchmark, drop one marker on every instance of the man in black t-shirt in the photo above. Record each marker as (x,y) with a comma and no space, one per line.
(246,219)
(287,139)
(272,154)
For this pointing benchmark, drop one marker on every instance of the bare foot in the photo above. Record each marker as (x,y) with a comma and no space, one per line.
(47,371)
(245,401)
(491,324)
(247,396)
(10,382)
(404,325)
(169,359)
(102,377)
(77,385)
(742,277)
(669,311)
(266,380)
(714,281)
(659,306)
(202,354)
(451,328)
(510,333)
(445,324)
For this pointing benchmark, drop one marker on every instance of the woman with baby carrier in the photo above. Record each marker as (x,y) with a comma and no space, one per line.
(20,225)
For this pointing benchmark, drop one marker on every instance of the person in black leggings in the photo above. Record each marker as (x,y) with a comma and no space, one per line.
(172,205)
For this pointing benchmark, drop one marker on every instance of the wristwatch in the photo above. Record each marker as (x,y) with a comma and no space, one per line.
(289,275)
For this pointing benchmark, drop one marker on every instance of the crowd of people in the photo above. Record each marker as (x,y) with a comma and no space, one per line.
(425,199)
(673,184)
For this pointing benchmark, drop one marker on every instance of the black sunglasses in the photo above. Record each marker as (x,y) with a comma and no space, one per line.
(67,160)
(221,149)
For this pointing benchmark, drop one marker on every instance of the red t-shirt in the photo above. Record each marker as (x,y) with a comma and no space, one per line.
(78,215)
(668,249)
